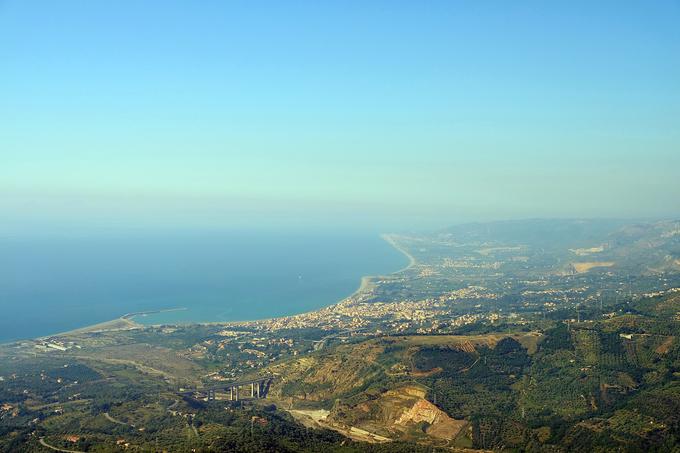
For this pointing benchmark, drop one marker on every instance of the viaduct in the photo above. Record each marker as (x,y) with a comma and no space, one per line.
(240,390)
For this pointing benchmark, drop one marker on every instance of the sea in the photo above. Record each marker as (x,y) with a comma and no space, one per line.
(50,285)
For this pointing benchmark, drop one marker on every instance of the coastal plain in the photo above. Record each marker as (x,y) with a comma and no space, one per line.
(489,340)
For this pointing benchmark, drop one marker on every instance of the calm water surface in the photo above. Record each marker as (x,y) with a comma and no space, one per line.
(57,284)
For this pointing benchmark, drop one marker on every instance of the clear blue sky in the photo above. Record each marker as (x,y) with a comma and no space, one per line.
(365,113)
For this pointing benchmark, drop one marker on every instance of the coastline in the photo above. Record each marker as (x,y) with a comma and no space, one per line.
(363,285)
(389,238)
(130,316)
(366,279)
(105,326)
(126,322)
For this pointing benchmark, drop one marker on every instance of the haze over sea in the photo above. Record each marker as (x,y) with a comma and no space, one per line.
(51,285)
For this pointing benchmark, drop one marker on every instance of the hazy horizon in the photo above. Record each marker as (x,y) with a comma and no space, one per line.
(339,226)
(383,116)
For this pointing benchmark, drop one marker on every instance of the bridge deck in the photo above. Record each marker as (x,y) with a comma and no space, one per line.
(226,385)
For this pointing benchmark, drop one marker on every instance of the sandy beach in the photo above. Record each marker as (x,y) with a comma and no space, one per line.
(125,322)
(390,239)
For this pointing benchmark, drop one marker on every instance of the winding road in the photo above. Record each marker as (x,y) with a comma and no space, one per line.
(45,444)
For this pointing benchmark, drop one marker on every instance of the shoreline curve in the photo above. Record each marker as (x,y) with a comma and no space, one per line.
(127,319)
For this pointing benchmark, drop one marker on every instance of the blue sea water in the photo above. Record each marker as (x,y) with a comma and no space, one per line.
(51,285)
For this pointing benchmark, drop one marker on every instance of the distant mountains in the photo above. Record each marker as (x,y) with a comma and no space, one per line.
(654,246)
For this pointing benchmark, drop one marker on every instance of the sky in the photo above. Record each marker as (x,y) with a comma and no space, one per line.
(387,115)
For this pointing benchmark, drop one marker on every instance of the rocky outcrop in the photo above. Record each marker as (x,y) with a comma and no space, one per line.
(441,425)
(400,413)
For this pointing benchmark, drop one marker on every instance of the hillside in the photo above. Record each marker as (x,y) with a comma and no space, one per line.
(486,342)
(614,383)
